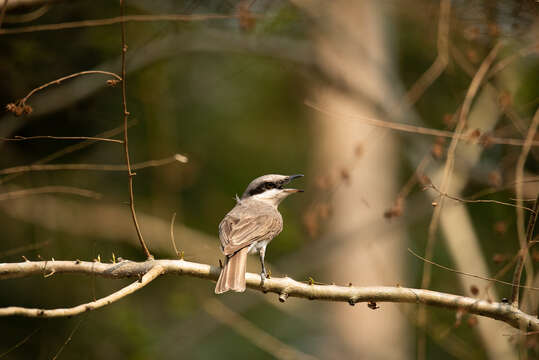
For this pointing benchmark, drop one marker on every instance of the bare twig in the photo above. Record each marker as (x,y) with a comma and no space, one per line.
(419,129)
(24,248)
(130,174)
(398,207)
(172,236)
(116,20)
(69,149)
(279,286)
(27,16)
(70,336)
(148,277)
(521,256)
(49,190)
(469,274)
(93,167)
(23,138)
(20,342)
(17,4)
(464,63)
(502,64)
(448,169)
(519,176)
(471,201)
(257,336)
(67,77)
(20,106)
(442,58)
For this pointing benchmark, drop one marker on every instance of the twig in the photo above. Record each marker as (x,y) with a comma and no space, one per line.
(27,16)
(116,20)
(502,64)
(67,77)
(20,107)
(469,274)
(420,129)
(93,167)
(24,248)
(22,138)
(172,235)
(257,336)
(523,238)
(279,286)
(442,58)
(148,277)
(20,342)
(130,174)
(398,206)
(50,190)
(68,339)
(471,201)
(519,176)
(448,169)
(69,149)
(464,63)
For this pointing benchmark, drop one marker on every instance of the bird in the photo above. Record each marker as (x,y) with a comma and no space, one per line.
(250,226)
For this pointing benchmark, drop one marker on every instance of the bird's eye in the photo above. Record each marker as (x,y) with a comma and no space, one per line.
(269,186)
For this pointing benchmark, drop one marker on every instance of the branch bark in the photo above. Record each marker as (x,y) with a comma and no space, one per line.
(151,275)
(130,174)
(285,287)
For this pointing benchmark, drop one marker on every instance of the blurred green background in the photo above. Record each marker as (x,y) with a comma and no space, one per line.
(230,95)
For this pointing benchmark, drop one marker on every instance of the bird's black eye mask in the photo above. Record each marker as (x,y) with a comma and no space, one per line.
(268,185)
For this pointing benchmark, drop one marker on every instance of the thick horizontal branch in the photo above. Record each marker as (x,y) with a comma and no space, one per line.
(284,287)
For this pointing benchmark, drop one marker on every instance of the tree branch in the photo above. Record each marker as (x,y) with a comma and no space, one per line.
(94,167)
(130,174)
(284,287)
(151,275)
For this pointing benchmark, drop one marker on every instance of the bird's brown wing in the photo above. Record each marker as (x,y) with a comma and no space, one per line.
(238,232)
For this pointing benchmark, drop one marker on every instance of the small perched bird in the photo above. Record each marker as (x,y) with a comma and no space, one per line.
(250,226)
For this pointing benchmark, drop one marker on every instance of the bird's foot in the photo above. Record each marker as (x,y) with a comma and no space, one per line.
(263,277)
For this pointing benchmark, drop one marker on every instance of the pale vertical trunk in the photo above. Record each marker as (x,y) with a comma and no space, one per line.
(352,49)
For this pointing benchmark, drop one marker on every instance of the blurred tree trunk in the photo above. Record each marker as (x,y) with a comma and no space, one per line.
(353,52)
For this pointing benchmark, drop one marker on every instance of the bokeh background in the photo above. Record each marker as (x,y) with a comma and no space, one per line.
(237,96)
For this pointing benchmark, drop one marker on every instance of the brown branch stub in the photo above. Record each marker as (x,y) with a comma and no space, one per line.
(378,294)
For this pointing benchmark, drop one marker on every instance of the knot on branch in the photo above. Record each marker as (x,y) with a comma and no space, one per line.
(113,82)
(283,296)
(19,108)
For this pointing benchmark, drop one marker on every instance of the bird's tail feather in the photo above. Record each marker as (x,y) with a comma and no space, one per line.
(233,274)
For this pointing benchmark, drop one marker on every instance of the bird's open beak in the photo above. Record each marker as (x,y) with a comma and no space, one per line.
(290,178)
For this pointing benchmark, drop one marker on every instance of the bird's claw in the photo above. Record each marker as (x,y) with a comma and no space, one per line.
(263,277)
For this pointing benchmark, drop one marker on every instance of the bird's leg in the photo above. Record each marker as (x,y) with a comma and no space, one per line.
(263,274)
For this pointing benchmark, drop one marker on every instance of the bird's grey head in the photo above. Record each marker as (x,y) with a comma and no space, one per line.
(270,188)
